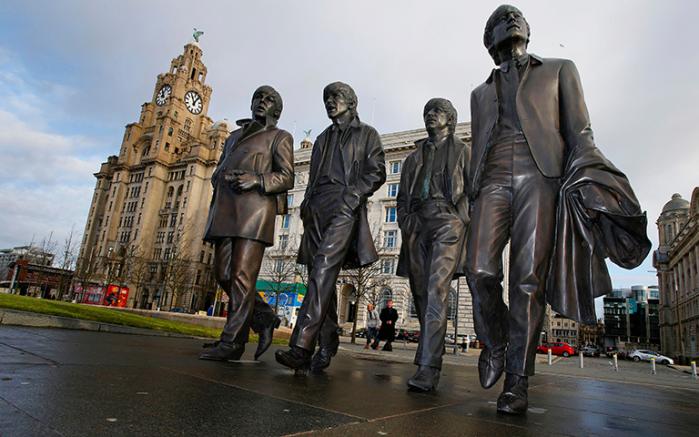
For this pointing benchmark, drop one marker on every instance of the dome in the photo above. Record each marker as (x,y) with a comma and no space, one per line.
(220,124)
(677,203)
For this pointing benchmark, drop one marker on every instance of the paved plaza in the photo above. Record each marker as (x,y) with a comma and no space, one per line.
(73,383)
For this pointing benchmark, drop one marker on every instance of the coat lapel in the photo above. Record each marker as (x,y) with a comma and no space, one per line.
(418,163)
(348,150)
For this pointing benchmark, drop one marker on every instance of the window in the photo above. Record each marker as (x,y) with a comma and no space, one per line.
(392,190)
(386,295)
(413,309)
(283,241)
(390,214)
(169,132)
(394,167)
(389,239)
(289,200)
(387,266)
(279,265)
(286,219)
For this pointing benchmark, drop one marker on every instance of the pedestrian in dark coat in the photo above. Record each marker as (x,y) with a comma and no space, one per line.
(387,332)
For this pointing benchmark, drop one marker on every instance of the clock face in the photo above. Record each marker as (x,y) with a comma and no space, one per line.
(163,95)
(193,102)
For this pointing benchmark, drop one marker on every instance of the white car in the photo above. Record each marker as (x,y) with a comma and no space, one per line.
(646,355)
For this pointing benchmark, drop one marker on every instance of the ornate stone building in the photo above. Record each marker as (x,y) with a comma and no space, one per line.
(559,329)
(677,263)
(382,219)
(147,216)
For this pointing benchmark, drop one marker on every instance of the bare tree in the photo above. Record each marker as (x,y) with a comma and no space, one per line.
(67,260)
(279,268)
(177,271)
(368,282)
(68,253)
(136,268)
(85,270)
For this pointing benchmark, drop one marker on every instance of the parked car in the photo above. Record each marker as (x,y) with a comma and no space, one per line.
(403,334)
(646,355)
(561,348)
(590,351)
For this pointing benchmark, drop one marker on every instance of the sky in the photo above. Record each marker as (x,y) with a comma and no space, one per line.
(74,73)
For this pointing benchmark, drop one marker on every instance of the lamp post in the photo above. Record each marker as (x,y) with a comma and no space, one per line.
(456,318)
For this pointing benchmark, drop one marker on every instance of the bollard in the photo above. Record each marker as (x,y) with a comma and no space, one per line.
(652,366)
(550,357)
(694,369)
(582,365)
(616,363)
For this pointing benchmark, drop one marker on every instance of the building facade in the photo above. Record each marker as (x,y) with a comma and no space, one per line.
(677,264)
(33,254)
(146,220)
(631,318)
(559,329)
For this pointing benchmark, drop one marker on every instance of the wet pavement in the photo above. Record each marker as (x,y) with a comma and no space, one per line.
(74,383)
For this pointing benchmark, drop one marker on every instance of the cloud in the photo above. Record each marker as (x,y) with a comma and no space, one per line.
(45,175)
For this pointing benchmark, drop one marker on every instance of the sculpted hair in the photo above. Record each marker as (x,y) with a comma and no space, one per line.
(346,92)
(490,24)
(446,106)
(278,103)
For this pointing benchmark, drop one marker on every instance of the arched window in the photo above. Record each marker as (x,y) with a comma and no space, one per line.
(451,305)
(386,295)
(179,191)
(170,192)
(169,132)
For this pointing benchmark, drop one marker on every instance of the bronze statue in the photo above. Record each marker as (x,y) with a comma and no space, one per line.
(433,218)
(250,183)
(539,181)
(347,166)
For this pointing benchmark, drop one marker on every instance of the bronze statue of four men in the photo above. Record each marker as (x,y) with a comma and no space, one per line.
(532,177)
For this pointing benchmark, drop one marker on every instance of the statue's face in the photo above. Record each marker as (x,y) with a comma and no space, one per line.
(335,104)
(436,118)
(510,24)
(263,105)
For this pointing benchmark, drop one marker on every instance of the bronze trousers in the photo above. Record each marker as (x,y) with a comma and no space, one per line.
(237,263)
(435,237)
(330,229)
(517,203)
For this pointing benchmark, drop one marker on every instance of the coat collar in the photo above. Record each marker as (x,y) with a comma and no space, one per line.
(533,60)
(250,127)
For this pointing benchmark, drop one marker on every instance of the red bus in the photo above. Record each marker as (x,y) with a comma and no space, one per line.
(115,295)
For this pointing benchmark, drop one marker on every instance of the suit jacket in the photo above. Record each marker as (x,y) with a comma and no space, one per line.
(551,110)
(457,183)
(263,150)
(365,171)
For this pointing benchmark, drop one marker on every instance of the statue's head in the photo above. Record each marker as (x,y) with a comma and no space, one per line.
(504,24)
(389,303)
(439,113)
(339,98)
(266,102)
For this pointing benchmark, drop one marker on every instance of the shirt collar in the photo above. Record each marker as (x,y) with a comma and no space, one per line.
(533,60)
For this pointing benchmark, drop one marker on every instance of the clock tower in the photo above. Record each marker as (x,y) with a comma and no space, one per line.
(149,207)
